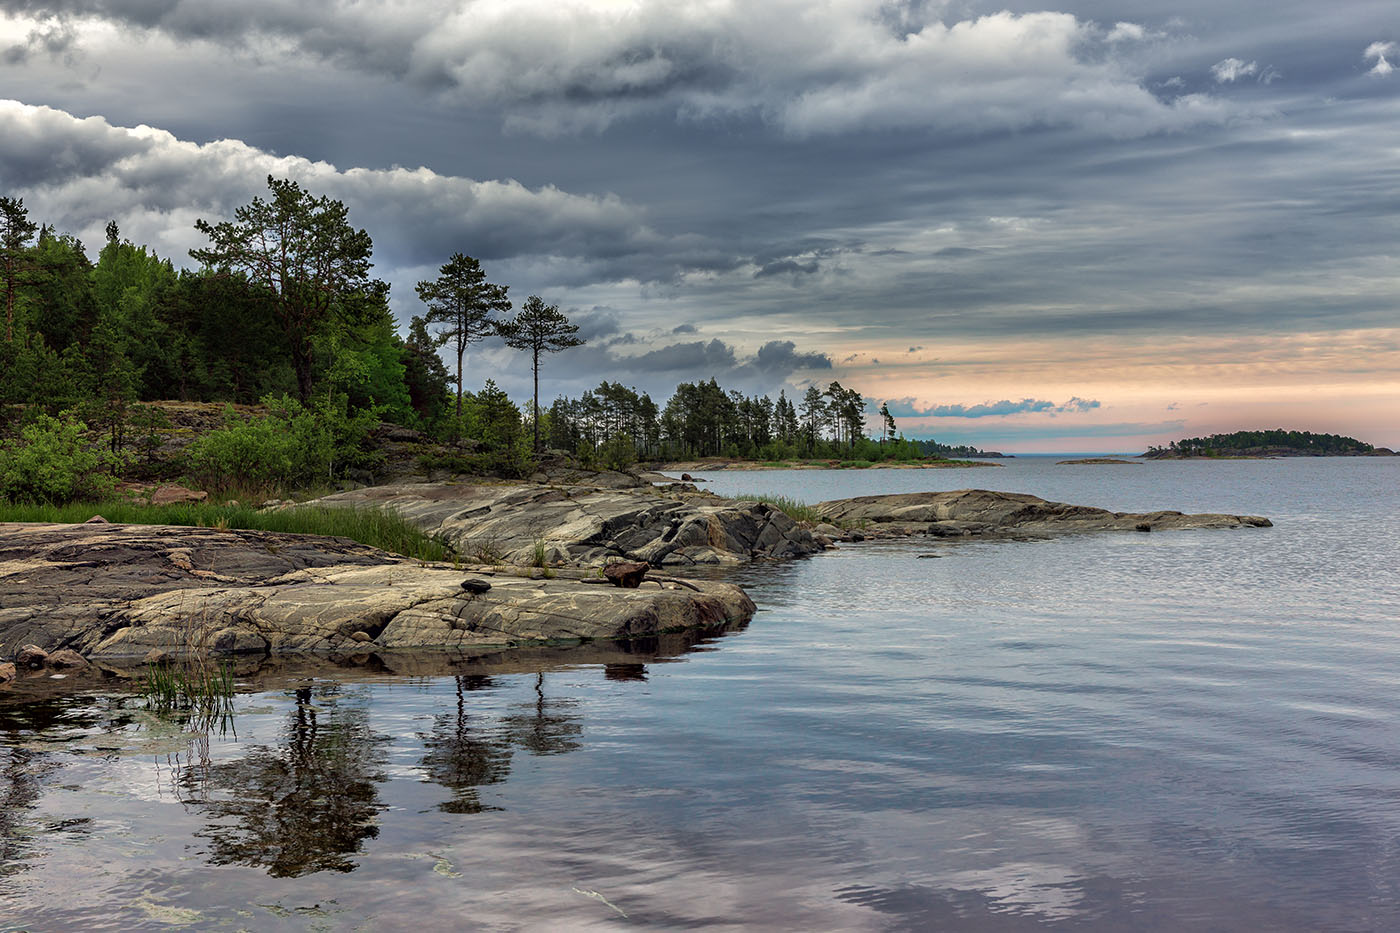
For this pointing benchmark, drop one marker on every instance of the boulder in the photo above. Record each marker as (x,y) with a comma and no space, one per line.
(31,657)
(627,574)
(66,658)
(173,494)
(110,591)
(7,672)
(97,520)
(985,513)
(587,525)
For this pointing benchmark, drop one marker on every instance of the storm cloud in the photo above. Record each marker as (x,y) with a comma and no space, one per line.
(1049,201)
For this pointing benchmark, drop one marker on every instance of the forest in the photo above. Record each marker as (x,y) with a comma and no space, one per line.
(282,313)
(1278,439)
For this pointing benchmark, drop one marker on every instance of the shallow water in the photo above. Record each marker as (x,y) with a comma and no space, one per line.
(1187,730)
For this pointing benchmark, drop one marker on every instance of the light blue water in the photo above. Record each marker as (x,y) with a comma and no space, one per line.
(1189,730)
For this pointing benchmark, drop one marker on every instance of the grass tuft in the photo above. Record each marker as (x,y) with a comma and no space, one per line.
(379,528)
(795,510)
(201,690)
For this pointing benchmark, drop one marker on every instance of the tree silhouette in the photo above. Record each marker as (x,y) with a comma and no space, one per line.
(301,253)
(539,328)
(460,300)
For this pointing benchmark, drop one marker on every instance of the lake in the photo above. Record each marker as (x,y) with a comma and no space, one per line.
(1183,730)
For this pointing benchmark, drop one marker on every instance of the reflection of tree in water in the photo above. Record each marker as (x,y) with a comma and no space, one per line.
(546,729)
(305,805)
(462,755)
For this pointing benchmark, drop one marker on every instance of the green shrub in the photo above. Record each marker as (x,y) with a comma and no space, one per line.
(293,446)
(49,462)
(618,453)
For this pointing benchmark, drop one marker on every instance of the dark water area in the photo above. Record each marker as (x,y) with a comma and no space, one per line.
(1174,731)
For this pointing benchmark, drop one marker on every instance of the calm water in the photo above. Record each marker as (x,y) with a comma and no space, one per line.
(1176,731)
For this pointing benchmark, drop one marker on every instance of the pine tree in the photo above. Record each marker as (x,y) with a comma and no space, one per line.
(539,328)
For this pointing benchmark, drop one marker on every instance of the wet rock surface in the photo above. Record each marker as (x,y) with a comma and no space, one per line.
(587,525)
(127,590)
(985,513)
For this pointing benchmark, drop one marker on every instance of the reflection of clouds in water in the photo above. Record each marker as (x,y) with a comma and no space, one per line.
(1047,890)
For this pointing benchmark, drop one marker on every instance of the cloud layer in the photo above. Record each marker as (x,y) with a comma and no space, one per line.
(989,205)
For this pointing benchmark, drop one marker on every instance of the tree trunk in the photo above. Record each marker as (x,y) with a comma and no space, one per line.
(460,350)
(301,362)
(537,401)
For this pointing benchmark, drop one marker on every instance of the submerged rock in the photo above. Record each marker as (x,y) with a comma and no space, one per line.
(982,512)
(114,591)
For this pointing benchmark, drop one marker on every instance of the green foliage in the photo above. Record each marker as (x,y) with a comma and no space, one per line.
(196,688)
(299,253)
(1259,441)
(293,446)
(538,328)
(379,528)
(794,509)
(618,453)
(459,302)
(50,462)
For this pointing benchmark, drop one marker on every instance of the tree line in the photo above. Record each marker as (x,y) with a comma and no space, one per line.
(283,309)
(1260,440)
(702,419)
(283,302)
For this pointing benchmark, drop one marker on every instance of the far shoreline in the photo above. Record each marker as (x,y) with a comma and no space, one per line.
(733,464)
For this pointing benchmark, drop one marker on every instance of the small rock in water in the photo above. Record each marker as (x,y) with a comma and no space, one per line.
(31,656)
(1142,526)
(627,574)
(66,658)
(7,672)
(361,636)
(475,586)
(929,556)
(158,656)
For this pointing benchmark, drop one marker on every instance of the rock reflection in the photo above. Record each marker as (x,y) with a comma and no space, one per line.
(303,806)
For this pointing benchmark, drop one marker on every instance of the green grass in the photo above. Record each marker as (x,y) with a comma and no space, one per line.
(795,510)
(379,528)
(201,690)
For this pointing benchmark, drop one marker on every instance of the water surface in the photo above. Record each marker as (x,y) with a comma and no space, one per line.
(1186,730)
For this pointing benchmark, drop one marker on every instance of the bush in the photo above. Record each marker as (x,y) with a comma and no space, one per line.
(51,463)
(618,453)
(293,446)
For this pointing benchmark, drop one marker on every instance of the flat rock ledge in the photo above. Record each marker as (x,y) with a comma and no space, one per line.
(587,526)
(121,591)
(984,513)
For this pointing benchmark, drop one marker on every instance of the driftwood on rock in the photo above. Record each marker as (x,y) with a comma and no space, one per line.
(122,590)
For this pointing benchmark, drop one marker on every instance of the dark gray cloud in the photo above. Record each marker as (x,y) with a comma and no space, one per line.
(853,178)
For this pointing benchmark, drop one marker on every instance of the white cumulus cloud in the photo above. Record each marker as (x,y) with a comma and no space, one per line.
(1232,69)
(1378,51)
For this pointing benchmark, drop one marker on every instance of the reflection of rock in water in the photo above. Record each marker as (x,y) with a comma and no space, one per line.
(625,671)
(305,805)
(19,791)
(462,758)
(23,771)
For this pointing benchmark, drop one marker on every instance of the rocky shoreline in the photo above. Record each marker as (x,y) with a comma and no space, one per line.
(541,561)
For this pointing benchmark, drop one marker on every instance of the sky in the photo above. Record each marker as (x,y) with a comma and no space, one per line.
(1069,225)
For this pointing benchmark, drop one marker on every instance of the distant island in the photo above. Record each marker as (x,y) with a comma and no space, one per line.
(1265,444)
